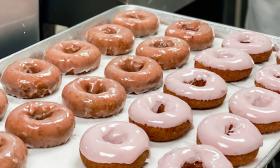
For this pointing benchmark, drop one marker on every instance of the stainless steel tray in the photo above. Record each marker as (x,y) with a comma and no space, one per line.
(67,155)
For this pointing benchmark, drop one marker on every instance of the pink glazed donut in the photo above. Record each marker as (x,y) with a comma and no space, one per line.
(269,78)
(231,64)
(256,44)
(236,137)
(114,144)
(164,117)
(3,103)
(195,156)
(260,106)
(74,56)
(201,89)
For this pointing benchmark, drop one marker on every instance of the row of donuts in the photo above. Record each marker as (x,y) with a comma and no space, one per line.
(86,87)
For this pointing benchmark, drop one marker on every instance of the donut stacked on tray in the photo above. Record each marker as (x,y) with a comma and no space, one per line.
(223,140)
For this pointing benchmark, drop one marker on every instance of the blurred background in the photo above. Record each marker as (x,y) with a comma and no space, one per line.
(25,22)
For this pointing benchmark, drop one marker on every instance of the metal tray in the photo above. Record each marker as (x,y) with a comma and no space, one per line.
(67,155)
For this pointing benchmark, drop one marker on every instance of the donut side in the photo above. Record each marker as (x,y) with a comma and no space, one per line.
(239,160)
(261,57)
(198,104)
(157,134)
(262,86)
(227,75)
(139,162)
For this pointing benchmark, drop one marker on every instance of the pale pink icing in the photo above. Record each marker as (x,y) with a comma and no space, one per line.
(242,138)
(208,155)
(256,43)
(269,77)
(144,110)
(114,142)
(225,59)
(258,105)
(178,82)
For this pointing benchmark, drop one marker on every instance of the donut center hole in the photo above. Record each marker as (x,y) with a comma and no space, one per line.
(245,40)
(109,30)
(135,16)
(197,82)
(261,101)
(159,109)
(40,114)
(196,164)
(277,76)
(193,26)
(31,68)
(132,66)
(229,129)
(95,88)
(163,44)
(71,48)
(114,137)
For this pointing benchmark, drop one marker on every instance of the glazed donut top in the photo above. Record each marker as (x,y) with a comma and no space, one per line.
(229,133)
(73,55)
(190,28)
(225,59)
(209,157)
(248,41)
(160,110)
(259,105)
(269,77)
(114,142)
(196,84)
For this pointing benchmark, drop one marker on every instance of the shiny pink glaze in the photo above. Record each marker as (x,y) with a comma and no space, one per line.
(3,103)
(248,41)
(13,152)
(225,59)
(180,81)
(208,155)
(242,138)
(114,142)
(74,56)
(260,106)
(144,110)
(269,77)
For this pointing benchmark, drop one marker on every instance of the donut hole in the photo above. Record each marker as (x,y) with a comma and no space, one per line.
(163,44)
(40,113)
(135,16)
(109,30)
(191,26)
(30,68)
(159,109)
(277,76)
(196,164)
(95,88)
(71,48)
(229,129)
(261,101)
(197,82)
(114,137)
(130,65)
(245,40)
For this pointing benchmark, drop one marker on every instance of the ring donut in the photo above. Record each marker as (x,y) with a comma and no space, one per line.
(258,46)
(74,56)
(169,52)
(198,34)
(94,97)
(111,39)
(3,103)
(31,78)
(236,137)
(200,88)
(114,144)
(141,23)
(41,124)
(136,74)
(13,152)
